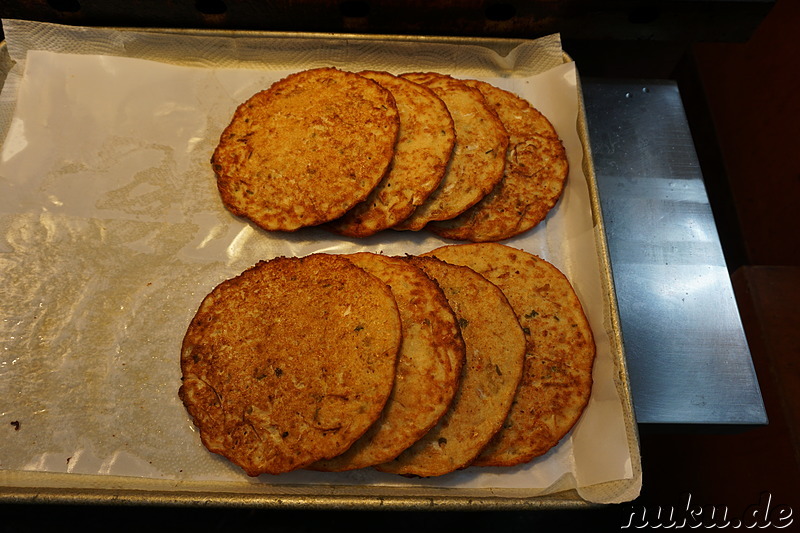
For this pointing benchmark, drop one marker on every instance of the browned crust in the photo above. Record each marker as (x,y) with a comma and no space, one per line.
(495,348)
(307,149)
(478,159)
(427,370)
(557,377)
(424,146)
(290,362)
(535,172)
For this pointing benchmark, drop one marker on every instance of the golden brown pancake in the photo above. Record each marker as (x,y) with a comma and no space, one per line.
(478,159)
(557,377)
(423,149)
(535,172)
(431,355)
(307,149)
(290,362)
(495,349)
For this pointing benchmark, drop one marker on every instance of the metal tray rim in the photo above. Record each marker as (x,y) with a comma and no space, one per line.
(12,491)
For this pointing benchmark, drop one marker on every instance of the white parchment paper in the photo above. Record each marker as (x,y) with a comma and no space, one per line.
(113,232)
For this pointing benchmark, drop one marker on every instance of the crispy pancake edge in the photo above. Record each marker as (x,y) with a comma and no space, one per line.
(246,436)
(495,347)
(298,180)
(528,435)
(426,380)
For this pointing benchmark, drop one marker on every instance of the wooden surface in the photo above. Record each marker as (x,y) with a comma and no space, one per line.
(709,20)
(768,305)
(751,93)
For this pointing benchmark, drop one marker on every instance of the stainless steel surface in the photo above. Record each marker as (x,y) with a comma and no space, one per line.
(688,358)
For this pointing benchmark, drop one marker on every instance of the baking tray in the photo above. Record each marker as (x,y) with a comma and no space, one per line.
(55,487)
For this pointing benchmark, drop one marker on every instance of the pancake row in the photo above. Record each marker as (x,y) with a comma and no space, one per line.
(360,153)
(468,355)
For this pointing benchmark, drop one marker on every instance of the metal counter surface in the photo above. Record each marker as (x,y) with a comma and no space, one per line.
(688,358)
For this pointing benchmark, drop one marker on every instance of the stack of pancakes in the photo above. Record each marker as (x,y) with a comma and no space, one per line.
(365,152)
(470,354)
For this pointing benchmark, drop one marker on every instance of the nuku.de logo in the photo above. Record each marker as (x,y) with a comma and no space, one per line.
(761,515)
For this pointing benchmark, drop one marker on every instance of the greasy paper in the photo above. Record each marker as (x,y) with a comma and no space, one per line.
(113,232)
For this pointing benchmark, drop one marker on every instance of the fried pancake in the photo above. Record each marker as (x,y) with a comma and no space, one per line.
(307,149)
(557,377)
(495,348)
(423,149)
(290,362)
(479,156)
(535,172)
(428,366)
